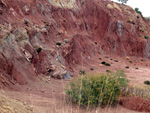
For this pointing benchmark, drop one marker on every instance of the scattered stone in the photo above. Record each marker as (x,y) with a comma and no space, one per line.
(42,91)
(59,43)
(100,58)
(127,67)
(67,76)
(66,40)
(110,6)
(21,34)
(103,62)
(59,73)
(91,68)
(100,65)
(26,10)
(43,29)
(26,21)
(116,60)
(106,57)
(128,58)
(89,57)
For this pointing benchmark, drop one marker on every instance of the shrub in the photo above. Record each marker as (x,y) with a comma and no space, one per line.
(108,71)
(127,67)
(97,89)
(130,62)
(82,72)
(39,49)
(136,68)
(58,43)
(105,63)
(96,43)
(137,10)
(147,82)
(146,37)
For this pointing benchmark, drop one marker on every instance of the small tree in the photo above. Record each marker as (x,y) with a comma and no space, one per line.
(123,1)
(137,10)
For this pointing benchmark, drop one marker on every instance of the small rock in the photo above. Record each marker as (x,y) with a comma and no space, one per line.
(106,57)
(42,91)
(128,58)
(100,58)
(26,21)
(59,73)
(26,9)
(67,76)
(91,68)
(66,40)
(100,65)
(116,60)
(24,103)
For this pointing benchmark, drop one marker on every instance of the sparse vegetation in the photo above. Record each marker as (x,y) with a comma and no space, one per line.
(146,37)
(58,43)
(116,60)
(136,90)
(97,89)
(39,49)
(147,82)
(137,10)
(82,72)
(108,71)
(127,67)
(105,63)
(96,43)
(91,68)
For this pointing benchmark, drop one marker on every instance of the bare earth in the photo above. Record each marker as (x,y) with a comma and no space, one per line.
(47,95)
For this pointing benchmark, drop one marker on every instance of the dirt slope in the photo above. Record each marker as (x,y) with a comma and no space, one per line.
(58,38)
(66,35)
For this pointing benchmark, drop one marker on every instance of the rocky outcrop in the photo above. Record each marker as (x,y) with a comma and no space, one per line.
(50,37)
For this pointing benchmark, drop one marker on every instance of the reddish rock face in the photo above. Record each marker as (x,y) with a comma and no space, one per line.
(92,28)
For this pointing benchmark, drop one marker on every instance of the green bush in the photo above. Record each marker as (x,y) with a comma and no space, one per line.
(39,49)
(137,10)
(82,72)
(97,89)
(146,37)
(147,82)
(127,67)
(58,43)
(105,63)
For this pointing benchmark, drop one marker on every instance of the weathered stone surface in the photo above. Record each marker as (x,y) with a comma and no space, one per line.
(30,24)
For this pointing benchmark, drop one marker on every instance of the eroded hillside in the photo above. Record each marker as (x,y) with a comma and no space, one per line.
(52,37)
